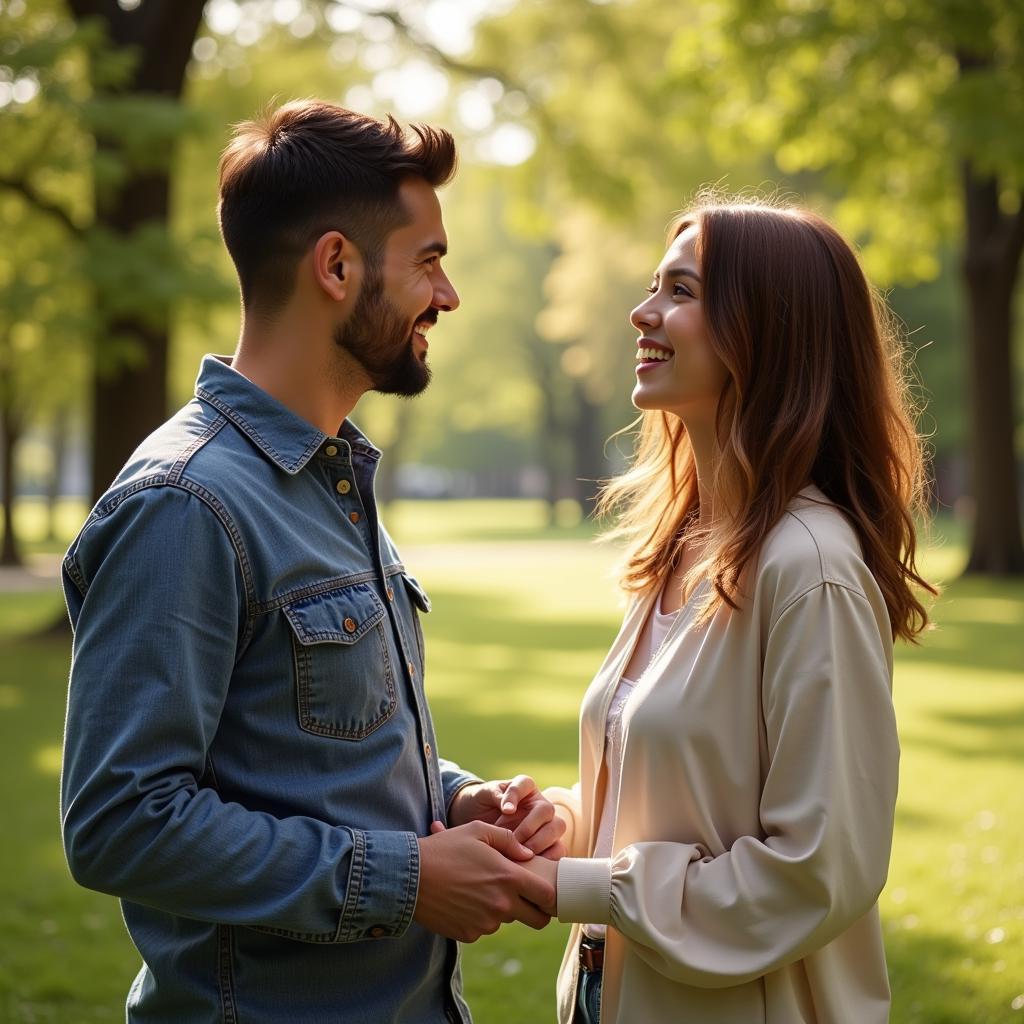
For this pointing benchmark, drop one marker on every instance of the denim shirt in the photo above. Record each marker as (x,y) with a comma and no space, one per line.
(249,756)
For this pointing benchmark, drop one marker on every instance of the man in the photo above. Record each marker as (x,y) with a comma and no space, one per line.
(249,758)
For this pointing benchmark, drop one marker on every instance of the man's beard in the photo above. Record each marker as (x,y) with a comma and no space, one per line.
(378,338)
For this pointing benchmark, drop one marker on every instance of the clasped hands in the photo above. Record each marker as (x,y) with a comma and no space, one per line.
(496,861)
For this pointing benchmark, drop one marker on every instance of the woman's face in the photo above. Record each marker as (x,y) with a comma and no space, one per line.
(677,370)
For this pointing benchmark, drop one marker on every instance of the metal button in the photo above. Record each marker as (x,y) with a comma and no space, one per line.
(377,932)
(332,450)
(353,517)
(391,593)
(427,750)
(350,625)
(411,667)
(343,487)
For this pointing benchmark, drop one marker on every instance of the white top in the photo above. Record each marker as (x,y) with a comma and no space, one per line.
(653,636)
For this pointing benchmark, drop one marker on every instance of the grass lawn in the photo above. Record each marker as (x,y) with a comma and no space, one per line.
(522,616)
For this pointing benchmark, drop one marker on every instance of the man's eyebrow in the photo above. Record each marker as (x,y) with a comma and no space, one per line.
(432,249)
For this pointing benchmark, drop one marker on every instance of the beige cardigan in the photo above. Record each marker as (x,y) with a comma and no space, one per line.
(755,816)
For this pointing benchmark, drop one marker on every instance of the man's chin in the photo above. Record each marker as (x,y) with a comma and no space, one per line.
(411,380)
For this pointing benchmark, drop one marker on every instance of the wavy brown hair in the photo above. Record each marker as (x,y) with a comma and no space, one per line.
(817,393)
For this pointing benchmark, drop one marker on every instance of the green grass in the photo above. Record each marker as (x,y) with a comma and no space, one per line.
(523,614)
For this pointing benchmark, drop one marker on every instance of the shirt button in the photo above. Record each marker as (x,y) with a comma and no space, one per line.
(391,593)
(350,625)
(427,750)
(411,667)
(353,517)
(343,487)
(332,450)
(377,932)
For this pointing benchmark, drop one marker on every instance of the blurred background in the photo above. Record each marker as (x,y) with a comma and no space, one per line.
(582,125)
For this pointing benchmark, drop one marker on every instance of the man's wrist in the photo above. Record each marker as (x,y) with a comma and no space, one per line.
(455,811)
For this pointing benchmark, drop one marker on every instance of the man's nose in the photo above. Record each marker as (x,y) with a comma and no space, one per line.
(445,295)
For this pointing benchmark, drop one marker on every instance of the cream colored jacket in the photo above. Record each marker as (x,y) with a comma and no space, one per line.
(755,816)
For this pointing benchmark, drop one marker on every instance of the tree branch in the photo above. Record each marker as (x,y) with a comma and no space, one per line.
(22,188)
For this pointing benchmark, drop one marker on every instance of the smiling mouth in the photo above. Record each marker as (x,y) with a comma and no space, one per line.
(650,354)
(419,330)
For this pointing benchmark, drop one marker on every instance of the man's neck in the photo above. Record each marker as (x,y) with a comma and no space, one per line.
(297,364)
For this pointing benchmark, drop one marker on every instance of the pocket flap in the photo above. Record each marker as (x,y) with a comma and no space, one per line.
(339,616)
(416,592)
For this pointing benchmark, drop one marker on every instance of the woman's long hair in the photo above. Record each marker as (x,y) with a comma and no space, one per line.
(817,393)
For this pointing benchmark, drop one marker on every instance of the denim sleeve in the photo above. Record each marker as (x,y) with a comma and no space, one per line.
(157,601)
(453,778)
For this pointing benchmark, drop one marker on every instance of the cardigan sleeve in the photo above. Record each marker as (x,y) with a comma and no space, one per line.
(826,812)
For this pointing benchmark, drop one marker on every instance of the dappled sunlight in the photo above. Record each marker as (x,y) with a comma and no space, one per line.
(48,759)
(10,697)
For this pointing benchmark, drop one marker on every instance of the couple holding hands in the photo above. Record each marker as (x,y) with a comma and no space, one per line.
(250,763)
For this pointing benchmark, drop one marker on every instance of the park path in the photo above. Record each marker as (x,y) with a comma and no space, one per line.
(40,572)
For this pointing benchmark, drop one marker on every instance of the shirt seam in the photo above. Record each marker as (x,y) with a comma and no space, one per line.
(289,465)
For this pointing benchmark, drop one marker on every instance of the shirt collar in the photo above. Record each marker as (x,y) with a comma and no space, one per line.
(282,435)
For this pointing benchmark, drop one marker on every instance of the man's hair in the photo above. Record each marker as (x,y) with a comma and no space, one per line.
(306,168)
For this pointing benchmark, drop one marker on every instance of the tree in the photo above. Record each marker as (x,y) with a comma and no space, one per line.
(137,120)
(915,110)
(903,118)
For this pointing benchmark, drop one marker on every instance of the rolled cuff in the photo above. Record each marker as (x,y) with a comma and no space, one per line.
(383,886)
(584,890)
(453,779)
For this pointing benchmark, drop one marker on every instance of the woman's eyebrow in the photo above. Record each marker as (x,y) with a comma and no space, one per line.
(683,272)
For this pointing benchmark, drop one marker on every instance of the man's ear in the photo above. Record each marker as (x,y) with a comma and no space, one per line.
(335,264)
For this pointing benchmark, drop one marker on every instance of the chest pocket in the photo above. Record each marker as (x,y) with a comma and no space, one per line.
(344,680)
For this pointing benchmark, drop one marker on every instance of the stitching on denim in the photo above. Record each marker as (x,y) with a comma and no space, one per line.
(320,938)
(314,590)
(71,567)
(223,516)
(183,459)
(347,926)
(256,436)
(302,658)
(225,974)
(155,479)
(411,886)
(321,635)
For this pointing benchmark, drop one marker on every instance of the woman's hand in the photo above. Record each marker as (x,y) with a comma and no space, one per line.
(547,870)
(515,804)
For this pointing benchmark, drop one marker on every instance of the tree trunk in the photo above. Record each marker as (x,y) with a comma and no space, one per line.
(385,484)
(10,428)
(59,448)
(129,401)
(588,449)
(990,267)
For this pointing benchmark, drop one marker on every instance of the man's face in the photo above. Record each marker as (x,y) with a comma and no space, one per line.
(398,303)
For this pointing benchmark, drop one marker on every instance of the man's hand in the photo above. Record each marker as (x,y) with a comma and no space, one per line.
(515,804)
(471,883)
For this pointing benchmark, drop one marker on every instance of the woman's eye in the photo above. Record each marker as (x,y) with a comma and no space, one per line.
(651,289)
(681,289)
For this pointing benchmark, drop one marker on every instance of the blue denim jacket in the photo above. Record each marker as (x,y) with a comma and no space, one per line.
(249,756)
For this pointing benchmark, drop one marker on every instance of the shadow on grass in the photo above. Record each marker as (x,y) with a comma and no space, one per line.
(979,624)
(458,617)
(930,984)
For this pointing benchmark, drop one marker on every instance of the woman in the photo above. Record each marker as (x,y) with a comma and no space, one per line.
(731,829)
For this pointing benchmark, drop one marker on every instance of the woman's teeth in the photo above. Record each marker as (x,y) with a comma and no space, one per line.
(652,353)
